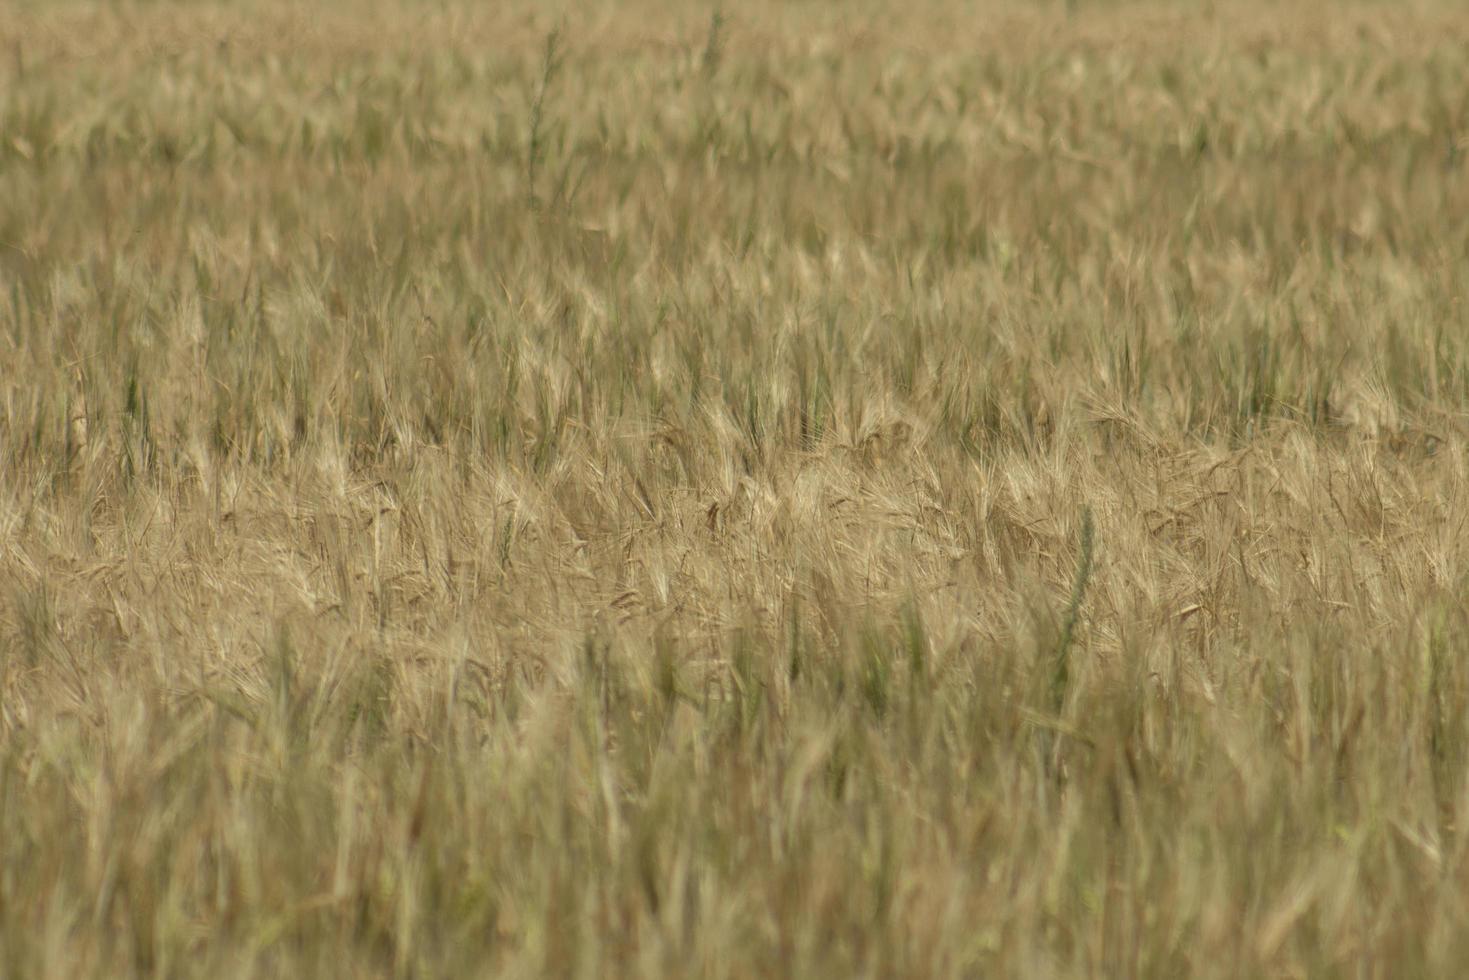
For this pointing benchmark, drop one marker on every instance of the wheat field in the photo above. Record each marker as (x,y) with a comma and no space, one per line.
(811,489)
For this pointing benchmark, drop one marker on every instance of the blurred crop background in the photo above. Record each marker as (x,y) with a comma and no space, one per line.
(821,490)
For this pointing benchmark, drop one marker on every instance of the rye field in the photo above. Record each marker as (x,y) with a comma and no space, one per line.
(820,489)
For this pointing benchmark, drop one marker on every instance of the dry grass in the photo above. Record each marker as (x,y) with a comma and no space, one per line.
(662,552)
